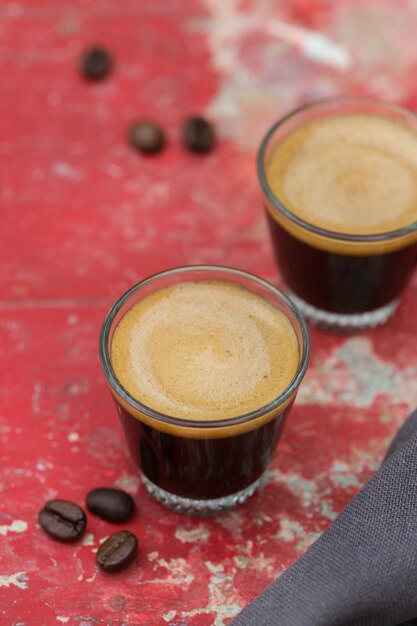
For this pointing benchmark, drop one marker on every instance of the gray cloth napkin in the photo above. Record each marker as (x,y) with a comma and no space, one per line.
(362,571)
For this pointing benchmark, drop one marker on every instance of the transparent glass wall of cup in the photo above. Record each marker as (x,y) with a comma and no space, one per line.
(202,467)
(337,280)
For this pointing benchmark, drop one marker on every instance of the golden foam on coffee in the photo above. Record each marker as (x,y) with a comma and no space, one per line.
(205,350)
(353,173)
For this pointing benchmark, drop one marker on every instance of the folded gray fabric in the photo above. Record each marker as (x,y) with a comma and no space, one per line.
(363,570)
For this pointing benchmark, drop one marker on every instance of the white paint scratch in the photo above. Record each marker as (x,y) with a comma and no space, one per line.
(289,530)
(77,388)
(227,26)
(91,579)
(196,535)
(222,612)
(67,171)
(214,568)
(88,540)
(355,375)
(179,573)
(18,580)
(220,592)
(315,46)
(43,464)
(251,92)
(128,482)
(62,619)
(102,540)
(17,526)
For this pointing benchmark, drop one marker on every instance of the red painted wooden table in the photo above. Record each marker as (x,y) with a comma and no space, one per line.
(83,217)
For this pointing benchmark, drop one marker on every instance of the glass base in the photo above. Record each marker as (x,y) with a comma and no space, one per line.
(202,508)
(344,322)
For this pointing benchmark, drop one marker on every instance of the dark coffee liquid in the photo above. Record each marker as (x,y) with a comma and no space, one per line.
(202,468)
(341,283)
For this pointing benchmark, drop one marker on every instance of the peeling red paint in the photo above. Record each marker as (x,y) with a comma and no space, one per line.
(83,218)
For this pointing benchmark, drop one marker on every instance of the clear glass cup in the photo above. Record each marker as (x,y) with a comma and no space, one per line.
(202,467)
(337,280)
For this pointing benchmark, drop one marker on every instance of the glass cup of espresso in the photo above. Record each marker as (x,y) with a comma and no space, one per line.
(204,364)
(339,183)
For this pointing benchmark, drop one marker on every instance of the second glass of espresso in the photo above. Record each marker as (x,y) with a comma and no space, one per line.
(204,363)
(339,182)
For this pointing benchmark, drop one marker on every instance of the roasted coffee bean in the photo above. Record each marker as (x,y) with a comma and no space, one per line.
(198,135)
(62,520)
(146,136)
(113,505)
(96,64)
(117,551)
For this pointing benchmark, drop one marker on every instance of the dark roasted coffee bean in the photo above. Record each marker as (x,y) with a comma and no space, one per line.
(146,136)
(117,551)
(96,64)
(198,135)
(113,505)
(62,520)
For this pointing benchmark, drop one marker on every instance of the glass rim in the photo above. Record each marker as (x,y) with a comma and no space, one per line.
(117,387)
(280,207)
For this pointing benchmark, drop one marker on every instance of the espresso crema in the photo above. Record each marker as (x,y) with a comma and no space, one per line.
(354,173)
(204,350)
